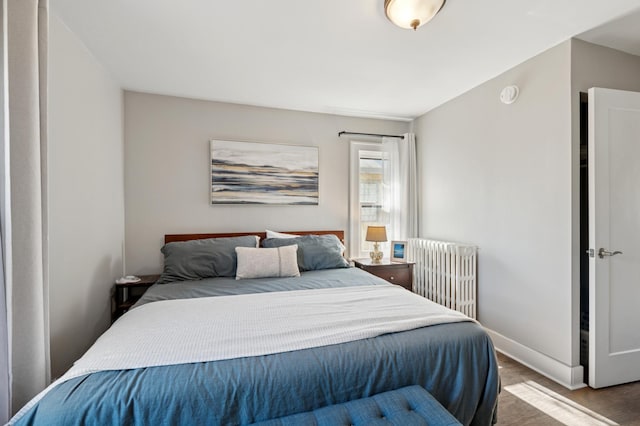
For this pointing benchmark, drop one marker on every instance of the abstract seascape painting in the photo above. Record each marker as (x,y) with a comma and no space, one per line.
(261,173)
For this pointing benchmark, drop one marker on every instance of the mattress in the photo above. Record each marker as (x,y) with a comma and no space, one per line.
(455,362)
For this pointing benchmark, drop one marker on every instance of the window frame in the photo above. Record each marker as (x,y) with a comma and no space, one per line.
(354,195)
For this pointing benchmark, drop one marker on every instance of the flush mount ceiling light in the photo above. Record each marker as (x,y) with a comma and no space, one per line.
(411,14)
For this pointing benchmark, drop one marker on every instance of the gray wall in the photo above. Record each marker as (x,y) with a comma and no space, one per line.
(499,176)
(86,195)
(507,178)
(167,169)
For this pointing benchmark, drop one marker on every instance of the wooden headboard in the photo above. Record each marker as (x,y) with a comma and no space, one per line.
(170,238)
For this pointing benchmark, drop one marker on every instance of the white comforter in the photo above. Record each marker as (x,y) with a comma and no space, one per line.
(216,328)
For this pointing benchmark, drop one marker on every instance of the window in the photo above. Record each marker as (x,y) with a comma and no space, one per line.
(367,192)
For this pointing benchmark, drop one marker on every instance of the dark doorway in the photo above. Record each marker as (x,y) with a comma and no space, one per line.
(584,234)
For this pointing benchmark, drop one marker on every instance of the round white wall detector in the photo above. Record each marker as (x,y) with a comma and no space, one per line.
(509,94)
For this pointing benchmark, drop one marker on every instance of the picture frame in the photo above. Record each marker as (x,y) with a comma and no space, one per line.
(399,251)
(263,173)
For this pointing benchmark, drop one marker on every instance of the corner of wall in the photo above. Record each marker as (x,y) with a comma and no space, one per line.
(570,377)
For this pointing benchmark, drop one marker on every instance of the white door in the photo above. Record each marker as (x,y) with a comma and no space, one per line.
(614,237)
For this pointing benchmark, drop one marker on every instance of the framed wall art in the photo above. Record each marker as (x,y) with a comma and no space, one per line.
(263,173)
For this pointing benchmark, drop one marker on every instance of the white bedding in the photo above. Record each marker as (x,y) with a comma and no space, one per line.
(216,328)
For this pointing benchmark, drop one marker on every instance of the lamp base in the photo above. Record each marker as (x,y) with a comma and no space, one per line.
(376,255)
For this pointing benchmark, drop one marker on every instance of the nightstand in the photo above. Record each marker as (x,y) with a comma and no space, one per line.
(395,272)
(127,294)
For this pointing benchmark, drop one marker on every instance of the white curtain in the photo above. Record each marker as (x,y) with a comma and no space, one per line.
(5,383)
(24,199)
(401,192)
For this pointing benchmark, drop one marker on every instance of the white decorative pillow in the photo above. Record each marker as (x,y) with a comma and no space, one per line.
(267,262)
(274,234)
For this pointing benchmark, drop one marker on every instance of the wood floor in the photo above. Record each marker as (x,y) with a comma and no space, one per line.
(527,398)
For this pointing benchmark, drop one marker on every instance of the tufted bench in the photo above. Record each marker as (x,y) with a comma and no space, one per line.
(411,405)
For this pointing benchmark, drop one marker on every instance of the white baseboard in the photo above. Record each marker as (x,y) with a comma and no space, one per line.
(569,377)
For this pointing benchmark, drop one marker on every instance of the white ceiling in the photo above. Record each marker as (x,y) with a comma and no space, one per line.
(334,56)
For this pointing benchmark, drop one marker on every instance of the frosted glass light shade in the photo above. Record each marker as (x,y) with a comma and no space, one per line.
(411,14)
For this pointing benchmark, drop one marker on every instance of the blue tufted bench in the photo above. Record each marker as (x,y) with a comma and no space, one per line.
(411,405)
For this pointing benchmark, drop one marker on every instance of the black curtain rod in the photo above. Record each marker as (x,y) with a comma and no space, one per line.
(370,134)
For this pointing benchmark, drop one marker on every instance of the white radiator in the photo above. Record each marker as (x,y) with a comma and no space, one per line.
(445,273)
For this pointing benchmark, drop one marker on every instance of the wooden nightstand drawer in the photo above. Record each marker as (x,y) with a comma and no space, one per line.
(398,276)
(396,273)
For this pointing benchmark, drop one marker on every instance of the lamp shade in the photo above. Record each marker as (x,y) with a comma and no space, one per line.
(411,14)
(376,233)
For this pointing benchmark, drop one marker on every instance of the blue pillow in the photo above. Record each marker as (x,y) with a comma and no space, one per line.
(198,259)
(315,252)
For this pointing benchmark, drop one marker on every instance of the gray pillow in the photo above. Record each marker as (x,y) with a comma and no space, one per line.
(314,251)
(198,259)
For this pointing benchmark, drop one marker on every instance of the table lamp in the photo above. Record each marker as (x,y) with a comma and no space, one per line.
(376,234)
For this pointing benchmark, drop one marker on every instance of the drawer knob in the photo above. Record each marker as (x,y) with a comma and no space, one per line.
(392,278)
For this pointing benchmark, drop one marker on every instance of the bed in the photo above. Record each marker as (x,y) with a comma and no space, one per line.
(203,349)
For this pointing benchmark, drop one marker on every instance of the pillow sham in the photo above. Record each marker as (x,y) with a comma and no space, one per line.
(315,252)
(267,262)
(274,234)
(198,259)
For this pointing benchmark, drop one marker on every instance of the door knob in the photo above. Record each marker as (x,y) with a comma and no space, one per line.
(602,253)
